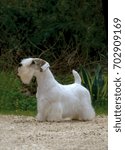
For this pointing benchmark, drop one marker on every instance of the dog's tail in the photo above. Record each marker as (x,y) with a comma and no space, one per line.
(76,77)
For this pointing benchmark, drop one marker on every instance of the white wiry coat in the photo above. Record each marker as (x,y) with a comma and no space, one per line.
(54,100)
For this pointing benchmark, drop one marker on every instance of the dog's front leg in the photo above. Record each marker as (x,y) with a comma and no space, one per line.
(41,110)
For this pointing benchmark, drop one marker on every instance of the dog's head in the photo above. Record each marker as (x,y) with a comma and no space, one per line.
(29,67)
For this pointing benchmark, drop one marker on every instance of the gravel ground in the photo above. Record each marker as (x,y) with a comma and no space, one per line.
(24,133)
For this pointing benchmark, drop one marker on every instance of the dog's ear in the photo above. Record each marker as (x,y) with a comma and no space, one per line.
(38,62)
(44,66)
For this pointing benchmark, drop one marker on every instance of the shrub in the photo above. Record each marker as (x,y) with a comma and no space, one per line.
(97,84)
(55,29)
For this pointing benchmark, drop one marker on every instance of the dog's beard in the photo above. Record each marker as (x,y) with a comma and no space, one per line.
(25,75)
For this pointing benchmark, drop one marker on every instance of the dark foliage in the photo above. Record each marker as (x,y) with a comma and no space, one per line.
(61,31)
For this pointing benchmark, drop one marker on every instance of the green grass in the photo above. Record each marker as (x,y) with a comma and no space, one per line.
(102,110)
(14,101)
(11,97)
(18,113)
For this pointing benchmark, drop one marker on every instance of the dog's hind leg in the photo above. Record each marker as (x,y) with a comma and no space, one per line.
(87,113)
(86,110)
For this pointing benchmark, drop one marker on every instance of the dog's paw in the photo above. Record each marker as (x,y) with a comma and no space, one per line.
(54,119)
(40,118)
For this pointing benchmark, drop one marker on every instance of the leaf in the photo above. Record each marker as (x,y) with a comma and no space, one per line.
(95,89)
(104,91)
(100,77)
(86,78)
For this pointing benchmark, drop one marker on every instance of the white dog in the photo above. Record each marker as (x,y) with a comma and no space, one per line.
(55,101)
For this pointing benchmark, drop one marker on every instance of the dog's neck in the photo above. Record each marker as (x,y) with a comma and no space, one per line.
(45,80)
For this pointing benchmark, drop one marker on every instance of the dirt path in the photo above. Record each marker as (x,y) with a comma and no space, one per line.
(24,133)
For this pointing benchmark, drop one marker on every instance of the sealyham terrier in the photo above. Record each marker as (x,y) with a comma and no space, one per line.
(54,100)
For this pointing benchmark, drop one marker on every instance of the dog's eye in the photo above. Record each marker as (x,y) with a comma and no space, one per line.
(33,62)
(20,65)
